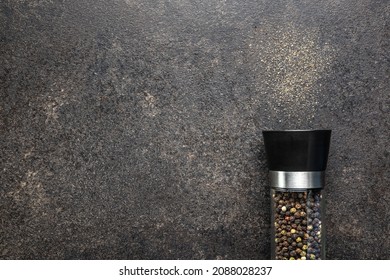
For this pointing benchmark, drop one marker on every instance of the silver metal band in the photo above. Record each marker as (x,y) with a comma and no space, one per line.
(297,180)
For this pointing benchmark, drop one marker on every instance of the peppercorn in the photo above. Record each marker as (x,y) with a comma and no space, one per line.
(293,210)
(298,239)
(293,253)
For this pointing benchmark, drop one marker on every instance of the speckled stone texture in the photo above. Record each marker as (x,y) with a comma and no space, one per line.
(131,129)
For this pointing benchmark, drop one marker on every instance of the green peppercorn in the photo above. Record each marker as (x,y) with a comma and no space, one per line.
(293,210)
(298,239)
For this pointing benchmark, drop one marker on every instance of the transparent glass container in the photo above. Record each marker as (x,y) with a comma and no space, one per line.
(297,230)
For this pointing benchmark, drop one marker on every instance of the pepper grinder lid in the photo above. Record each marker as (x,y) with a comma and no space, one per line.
(297,159)
(297,150)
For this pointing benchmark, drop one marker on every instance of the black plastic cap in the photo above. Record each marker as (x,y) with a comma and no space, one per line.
(297,150)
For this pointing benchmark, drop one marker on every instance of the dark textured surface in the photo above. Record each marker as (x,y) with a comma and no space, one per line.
(132,129)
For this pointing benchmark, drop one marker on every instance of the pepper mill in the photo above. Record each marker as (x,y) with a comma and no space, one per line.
(297,161)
